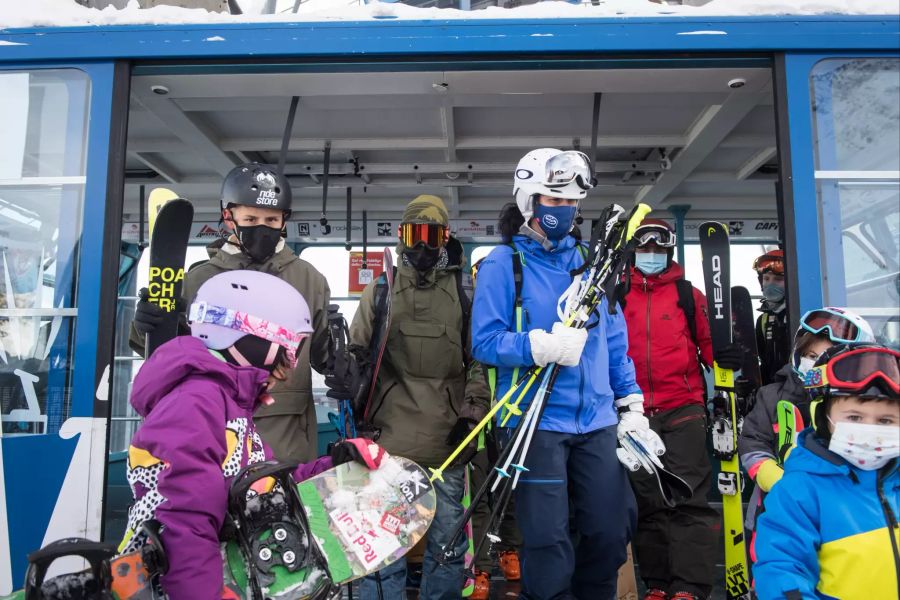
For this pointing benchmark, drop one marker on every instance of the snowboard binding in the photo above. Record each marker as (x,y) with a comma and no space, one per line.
(109,576)
(269,523)
(92,584)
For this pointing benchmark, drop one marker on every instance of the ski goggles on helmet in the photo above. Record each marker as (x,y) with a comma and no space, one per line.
(657,234)
(568,167)
(431,234)
(841,330)
(202,312)
(857,371)
(769,263)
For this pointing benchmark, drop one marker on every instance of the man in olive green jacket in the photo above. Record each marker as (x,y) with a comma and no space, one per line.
(288,425)
(429,392)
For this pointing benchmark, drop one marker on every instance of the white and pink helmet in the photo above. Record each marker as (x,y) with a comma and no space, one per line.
(235,304)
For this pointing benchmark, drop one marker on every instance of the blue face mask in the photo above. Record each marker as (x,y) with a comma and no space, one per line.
(651,263)
(773,293)
(556,221)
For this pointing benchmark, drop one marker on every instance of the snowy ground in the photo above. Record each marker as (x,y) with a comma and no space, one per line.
(47,13)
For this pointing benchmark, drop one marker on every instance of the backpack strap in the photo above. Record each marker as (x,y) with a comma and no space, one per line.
(686,303)
(465,289)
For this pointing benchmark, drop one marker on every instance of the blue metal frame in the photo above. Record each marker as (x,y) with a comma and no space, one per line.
(519,39)
(812,220)
(31,500)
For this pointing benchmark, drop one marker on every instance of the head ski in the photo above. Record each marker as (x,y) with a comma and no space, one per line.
(725,420)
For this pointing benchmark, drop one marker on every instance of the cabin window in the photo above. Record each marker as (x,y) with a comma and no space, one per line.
(44,132)
(856,112)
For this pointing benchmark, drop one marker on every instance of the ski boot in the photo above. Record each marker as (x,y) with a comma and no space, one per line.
(655,594)
(509,564)
(269,524)
(482,589)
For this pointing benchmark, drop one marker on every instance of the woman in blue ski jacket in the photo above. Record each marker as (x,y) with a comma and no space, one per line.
(573,456)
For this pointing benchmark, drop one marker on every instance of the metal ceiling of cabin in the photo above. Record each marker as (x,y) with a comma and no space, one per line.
(667,136)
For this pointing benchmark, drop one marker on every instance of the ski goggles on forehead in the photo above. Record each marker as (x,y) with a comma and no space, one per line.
(769,264)
(840,329)
(431,234)
(659,235)
(858,370)
(202,312)
(567,167)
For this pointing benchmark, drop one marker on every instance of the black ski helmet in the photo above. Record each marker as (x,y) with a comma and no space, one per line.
(255,184)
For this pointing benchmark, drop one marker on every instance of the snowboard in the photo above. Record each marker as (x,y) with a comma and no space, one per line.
(382,327)
(169,234)
(744,327)
(360,520)
(725,419)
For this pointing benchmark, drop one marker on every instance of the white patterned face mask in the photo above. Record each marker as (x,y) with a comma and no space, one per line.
(868,447)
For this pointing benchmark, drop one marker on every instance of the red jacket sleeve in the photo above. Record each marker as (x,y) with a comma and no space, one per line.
(701,318)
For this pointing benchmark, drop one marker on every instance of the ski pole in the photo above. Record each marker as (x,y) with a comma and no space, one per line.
(530,376)
(447,552)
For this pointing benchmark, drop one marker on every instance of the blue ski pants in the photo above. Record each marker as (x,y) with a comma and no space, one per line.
(439,582)
(577,472)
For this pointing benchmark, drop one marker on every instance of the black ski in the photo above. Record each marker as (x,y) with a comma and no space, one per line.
(725,420)
(744,326)
(168,245)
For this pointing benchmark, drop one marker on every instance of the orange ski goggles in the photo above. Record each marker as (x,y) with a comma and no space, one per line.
(769,263)
(431,234)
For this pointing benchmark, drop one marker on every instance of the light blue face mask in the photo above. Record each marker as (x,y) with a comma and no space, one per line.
(773,293)
(651,263)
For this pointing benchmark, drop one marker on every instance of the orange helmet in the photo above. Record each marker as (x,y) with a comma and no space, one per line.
(770,262)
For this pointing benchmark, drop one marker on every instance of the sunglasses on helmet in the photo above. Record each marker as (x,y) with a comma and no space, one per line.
(840,329)
(661,236)
(769,264)
(202,312)
(855,371)
(567,167)
(433,235)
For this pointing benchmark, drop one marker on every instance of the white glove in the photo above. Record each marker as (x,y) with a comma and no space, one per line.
(632,422)
(562,346)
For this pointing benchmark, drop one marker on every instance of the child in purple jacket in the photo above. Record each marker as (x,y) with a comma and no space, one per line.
(197,396)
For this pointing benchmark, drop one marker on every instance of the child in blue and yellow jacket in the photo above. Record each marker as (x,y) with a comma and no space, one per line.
(830,527)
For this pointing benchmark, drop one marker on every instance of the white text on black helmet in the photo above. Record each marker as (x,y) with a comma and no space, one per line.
(267,198)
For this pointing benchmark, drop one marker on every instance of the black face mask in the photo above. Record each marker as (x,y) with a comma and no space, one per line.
(422,258)
(258,241)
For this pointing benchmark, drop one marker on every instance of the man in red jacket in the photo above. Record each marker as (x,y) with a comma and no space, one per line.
(675,547)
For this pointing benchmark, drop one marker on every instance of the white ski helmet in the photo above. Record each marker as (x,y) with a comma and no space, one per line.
(551,172)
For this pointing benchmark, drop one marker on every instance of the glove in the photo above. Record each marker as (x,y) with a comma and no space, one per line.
(343,376)
(147,315)
(633,422)
(461,429)
(730,357)
(363,451)
(562,346)
(768,474)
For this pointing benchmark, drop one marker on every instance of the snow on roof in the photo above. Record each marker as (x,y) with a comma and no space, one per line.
(66,13)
